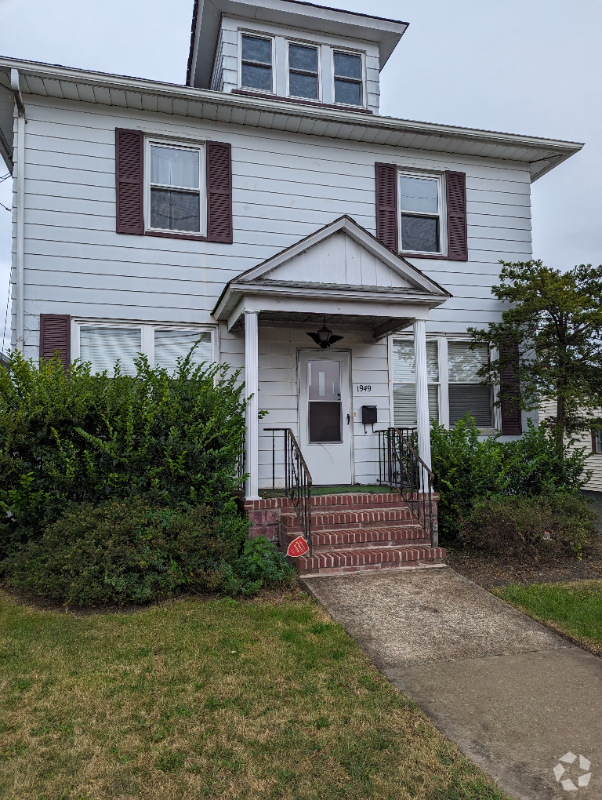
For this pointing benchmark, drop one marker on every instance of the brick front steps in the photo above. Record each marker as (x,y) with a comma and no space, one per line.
(350,532)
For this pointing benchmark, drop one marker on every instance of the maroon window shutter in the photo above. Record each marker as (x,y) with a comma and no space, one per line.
(457,235)
(511,413)
(129,180)
(219,193)
(386,206)
(55,334)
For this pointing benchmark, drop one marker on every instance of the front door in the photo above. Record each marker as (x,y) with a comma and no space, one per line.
(325,416)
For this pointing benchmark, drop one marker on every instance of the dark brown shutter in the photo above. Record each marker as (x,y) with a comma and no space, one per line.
(457,236)
(129,180)
(511,413)
(386,205)
(219,193)
(55,334)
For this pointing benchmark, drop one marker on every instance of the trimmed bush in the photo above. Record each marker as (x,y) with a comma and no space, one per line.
(71,437)
(531,527)
(469,467)
(126,551)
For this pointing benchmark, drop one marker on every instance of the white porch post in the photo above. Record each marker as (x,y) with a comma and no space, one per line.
(422,396)
(252,388)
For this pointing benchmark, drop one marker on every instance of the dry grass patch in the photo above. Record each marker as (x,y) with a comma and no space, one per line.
(194,699)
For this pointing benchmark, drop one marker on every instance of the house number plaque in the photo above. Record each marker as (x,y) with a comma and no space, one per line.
(363,388)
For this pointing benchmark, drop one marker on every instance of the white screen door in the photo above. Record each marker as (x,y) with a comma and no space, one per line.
(325,416)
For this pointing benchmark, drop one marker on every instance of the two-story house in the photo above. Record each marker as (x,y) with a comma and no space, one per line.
(264,200)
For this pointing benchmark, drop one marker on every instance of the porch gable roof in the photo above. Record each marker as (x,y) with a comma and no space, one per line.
(339,270)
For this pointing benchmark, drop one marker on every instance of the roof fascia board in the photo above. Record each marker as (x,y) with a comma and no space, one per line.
(175,91)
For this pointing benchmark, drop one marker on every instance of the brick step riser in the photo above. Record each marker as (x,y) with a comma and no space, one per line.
(327,502)
(386,537)
(334,526)
(333,563)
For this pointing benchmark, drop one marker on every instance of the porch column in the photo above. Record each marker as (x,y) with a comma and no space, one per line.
(251,392)
(422,395)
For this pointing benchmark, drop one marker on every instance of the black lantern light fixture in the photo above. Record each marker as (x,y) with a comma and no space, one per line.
(324,337)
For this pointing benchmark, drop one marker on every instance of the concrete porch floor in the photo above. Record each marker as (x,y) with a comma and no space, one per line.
(512,695)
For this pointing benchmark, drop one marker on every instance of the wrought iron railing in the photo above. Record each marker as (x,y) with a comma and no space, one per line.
(296,477)
(402,469)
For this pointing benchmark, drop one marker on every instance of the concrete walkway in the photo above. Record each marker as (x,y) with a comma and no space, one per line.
(511,694)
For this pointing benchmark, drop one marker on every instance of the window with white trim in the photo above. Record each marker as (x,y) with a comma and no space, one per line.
(467,395)
(420,207)
(404,382)
(597,441)
(348,78)
(454,388)
(303,71)
(256,70)
(176,187)
(103,344)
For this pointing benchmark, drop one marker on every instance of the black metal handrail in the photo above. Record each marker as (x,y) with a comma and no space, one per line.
(401,468)
(297,478)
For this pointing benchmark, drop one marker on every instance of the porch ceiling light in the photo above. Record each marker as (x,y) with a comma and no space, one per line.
(324,337)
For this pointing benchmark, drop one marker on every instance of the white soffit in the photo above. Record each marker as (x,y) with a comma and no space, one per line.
(144,95)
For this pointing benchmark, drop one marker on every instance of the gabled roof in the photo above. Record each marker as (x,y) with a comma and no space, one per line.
(341,265)
(207,16)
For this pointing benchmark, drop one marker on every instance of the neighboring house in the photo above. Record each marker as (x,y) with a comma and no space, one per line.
(591,441)
(264,200)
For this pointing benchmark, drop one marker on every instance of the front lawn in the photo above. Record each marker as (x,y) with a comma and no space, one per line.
(190,699)
(574,609)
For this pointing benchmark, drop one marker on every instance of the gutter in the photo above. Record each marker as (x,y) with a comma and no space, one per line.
(20,205)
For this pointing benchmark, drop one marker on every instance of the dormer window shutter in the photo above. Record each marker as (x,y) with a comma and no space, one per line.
(457,234)
(219,193)
(386,206)
(55,334)
(511,413)
(129,180)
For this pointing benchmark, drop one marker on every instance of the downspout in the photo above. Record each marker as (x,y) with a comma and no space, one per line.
(20,205)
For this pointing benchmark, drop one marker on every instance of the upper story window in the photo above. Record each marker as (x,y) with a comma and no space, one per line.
(348,79)
(420,208)
(175,187)
(303,71)
(256,63)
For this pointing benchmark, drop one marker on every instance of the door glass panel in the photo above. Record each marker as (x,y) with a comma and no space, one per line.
(324,379)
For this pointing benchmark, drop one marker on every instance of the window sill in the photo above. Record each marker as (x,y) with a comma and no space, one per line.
(434,256)
(193,237)
(301,101)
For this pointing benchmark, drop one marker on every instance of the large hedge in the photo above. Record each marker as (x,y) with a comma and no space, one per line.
(71,437)
(469,468)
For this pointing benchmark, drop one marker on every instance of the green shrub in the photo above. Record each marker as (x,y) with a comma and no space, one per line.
(126,551)
(531,527)
(469,467)
(69,437)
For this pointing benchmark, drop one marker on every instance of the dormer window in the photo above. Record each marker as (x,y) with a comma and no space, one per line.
(303,71)
(348,79)
(256,66)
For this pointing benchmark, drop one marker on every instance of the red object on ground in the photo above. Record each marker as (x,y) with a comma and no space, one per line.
(297,547)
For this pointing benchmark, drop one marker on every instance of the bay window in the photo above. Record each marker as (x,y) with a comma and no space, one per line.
(103,344)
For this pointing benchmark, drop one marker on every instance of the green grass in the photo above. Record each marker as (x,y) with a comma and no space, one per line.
(574,609)
(192,699)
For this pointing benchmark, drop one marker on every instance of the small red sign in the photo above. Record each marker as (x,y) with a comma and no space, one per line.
(297,548)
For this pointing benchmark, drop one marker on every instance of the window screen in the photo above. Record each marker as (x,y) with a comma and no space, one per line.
(466,394)
(256,68)
(303,71)
(420,216)
(325,412)
(103,347)
(175,189)
(171,345)
(348,81)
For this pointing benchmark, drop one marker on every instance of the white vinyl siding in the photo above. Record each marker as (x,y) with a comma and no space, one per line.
(103,345)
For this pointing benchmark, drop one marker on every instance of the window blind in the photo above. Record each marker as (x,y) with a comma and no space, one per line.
(103,347)
(404,405)
(171,345)
(404,361)
(470,399)
(465,363)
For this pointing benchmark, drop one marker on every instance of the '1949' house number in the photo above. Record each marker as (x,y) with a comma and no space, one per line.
(364,388)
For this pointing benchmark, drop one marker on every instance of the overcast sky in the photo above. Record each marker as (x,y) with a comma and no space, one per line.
(519,66)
